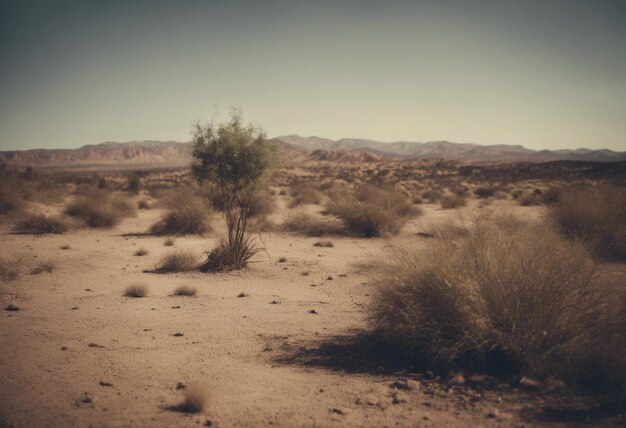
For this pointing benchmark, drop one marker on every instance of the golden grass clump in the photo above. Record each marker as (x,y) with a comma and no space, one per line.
(302,193)
(372,211)
(506,297)
(40,224)
(179,261)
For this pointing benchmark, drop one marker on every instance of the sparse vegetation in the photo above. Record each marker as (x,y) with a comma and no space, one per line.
(195,399)
(136,291)
(191,217)
(304,194)
(484,192)
(313,225)
(42,267)
(508,297)
(185,290)
(169,242)
(372,211)
(179,261)
(140,252)
(100,209)
(40,224)
(596,216)
(452,201)
(8,270)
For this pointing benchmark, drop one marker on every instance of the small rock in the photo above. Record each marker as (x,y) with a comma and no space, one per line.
(457,379)
(75,308)
(399,398)
(64,348)
(480,379)
(178,335)
(85,398)
(94,345)
(12,308)
(103,383)
(493,413)
(407,385)
(208,423)
(429,375)
(330,278)
(313,311)
(180,385)
(339,411)
(274,302)
(242,295)
(529,383)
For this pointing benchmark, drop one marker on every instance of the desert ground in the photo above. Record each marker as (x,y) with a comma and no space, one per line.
(270,344)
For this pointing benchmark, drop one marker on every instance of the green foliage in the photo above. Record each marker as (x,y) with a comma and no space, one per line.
(236,158)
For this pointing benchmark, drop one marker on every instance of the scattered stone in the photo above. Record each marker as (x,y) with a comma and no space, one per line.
(64,348)
(175,307)
(313,311)
(480,379)
(274,302)
(407,385)
(330,278)
(457,380)
(529,383)
(556,385)
(88,289)
(493,413)
(12,308)
(339,411)
(305,274)
(399,398)
(103,383)
(178,335)
(85,398)
(242,295)
(282,260)
(94,345)
(208,423)
(180,385)
(75,308)
(429,375)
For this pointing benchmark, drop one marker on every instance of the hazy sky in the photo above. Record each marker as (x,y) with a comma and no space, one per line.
(544,74)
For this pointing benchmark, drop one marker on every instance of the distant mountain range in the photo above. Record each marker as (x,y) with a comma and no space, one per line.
(295,149)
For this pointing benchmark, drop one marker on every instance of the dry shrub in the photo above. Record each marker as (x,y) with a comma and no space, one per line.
(432,195)
(39,224)
(8,270)
(195,399)
(261,204)
(484,192)
(529,199)
(313,225)
(452,201)
(136,290)
(325,244)
(141,252)
(224,257)
(100,209)
(372,211)
(180,261)
(507,297)
(143,204)
(42,267)
(596,216)
(169,242)
(10,200)
(447,230)
(304,194)
(185,290)
(188,218)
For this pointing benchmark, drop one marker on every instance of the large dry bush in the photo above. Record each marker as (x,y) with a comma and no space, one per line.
(179,261)
(507,296)
(302,193)
(313,224)
(596,216)
(371,211)
(39,224)
(452,201)
(188,217)
(100,209)
(10,198)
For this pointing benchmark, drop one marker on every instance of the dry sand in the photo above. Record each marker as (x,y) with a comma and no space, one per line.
(243,350)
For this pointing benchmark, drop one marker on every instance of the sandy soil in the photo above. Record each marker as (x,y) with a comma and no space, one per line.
(75,330)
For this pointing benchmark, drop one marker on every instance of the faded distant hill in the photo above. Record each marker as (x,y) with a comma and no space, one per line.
(449,150)
(295,149)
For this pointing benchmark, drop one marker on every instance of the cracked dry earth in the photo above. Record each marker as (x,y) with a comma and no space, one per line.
(78,353)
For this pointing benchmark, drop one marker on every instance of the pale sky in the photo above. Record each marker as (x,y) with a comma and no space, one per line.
(545,74)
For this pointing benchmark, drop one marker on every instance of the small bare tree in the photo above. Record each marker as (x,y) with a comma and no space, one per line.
(236,157)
